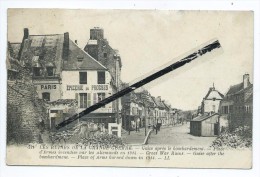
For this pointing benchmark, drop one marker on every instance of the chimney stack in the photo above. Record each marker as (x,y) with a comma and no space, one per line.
(246,80)
(25,33)
(96,33)
(66,46)
(25,36)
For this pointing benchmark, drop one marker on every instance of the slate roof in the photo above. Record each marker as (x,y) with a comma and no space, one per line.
(42,49)
(86,61)
(158,102)
(48,50)
(235,88)
(203,117)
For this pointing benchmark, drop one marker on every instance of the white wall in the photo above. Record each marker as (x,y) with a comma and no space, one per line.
(70,81)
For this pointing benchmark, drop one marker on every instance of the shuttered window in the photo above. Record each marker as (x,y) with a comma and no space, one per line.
(84,99)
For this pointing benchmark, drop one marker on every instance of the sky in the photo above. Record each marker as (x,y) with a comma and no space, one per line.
(148,39)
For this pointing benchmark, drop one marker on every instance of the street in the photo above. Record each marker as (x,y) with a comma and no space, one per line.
(172,135)
(179,136)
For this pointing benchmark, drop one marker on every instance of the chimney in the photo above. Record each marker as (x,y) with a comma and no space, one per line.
(96,33)
(25,33)
(25,36)
(246,80)
(66,46)
(76,42)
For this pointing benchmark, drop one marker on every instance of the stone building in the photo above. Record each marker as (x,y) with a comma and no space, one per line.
(131,119)
(237,104)
(43,56)
(98,47)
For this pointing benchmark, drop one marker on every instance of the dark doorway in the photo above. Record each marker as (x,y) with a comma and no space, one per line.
(216,129)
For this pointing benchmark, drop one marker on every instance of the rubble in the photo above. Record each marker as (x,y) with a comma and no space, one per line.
(240,138)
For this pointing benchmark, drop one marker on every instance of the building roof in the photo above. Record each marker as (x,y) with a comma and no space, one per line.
(235,88)
(49,50)
(203,117)
(38,50)
(158,102)
(79,59)
(213,93)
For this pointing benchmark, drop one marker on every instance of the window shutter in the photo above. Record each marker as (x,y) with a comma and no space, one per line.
(77,97)
(94,98)
(88,99)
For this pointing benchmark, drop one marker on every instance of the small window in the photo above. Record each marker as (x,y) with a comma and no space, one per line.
(46,96)
(83,77)
(36,71)
(54,111)
(50,71)
(105,55)
(101,77)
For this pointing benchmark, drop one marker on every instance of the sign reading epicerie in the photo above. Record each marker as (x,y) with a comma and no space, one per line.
(83,87)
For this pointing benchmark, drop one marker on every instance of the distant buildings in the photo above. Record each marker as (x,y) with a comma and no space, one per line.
(140,109)
(234,109)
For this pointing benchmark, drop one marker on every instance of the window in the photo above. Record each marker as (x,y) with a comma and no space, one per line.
(50,71)
(105,55)
(247,107)
(84,100)
(83,77)
(54,111)
(46,96)
(225,109)
(101,77)
(36,71)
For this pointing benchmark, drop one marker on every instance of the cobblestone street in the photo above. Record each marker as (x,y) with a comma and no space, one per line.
(176,136)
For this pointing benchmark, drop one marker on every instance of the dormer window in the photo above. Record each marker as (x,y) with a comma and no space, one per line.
(80,58)
(50,71)
(36,71)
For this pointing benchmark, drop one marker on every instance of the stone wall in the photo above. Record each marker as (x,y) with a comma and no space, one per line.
(26,114)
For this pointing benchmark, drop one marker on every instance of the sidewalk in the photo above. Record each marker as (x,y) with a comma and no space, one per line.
(134,137)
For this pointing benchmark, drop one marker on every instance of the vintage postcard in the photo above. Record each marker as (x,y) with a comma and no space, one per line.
(130,88)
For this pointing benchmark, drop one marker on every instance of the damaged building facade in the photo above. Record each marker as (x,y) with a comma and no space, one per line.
(67,77)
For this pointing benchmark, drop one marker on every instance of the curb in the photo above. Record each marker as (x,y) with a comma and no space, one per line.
(147,137)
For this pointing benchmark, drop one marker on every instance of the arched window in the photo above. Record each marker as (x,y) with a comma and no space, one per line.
(46,96)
